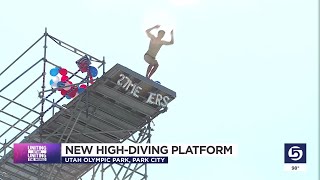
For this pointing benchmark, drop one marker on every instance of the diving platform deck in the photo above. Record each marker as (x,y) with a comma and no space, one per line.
(119,103)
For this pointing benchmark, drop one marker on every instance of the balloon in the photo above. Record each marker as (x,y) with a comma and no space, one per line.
(63,72)
(63,92)
(83,63)
(67,84)
(83,86)
(80,90)
(54,85)
(64,78)
(56,79)
(59,76)
(157,82)
(51,82)
(54,71)
(73,92)
(60,84)
(93,71)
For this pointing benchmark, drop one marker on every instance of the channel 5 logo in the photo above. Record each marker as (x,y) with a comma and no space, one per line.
(295,153)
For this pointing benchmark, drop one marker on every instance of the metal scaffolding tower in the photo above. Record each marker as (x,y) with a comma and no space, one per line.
(106,112)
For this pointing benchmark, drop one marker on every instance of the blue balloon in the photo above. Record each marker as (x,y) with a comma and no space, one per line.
(54,71)
(51,82)
(93,71)
(157,82)
(60,84)
(80,90)
(68,97)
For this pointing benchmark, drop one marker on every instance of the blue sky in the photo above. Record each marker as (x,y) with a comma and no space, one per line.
(245,72)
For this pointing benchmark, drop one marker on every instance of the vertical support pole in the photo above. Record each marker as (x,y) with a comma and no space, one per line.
(43,88)
(53,106)
(93,173)
(104,63)
(43,82)
(102,171)
(87,94)
(146,173)
(148,141)
(5,146)
(149,133)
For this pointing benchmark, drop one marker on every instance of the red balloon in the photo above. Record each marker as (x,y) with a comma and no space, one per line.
(64,79)
(63,92)
(73,92)
(63,72)
(83,86)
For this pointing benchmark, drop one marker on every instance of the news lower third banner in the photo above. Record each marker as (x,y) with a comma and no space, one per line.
(115,153)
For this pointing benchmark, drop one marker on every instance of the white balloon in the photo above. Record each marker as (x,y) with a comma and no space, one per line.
(55,79)
(67,88)
(54,85)
(59,75)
